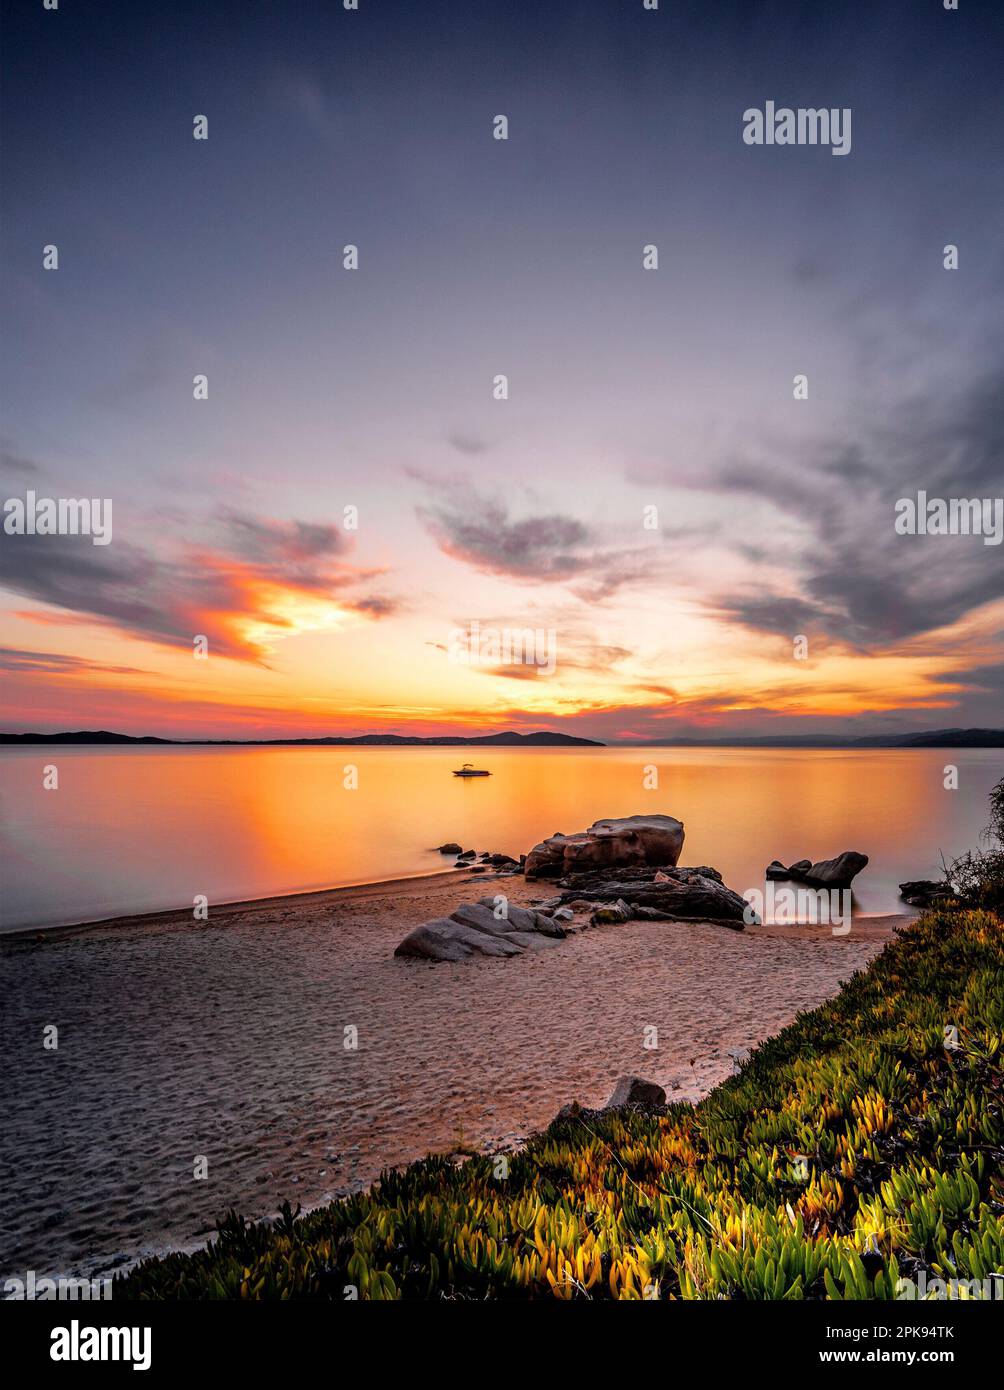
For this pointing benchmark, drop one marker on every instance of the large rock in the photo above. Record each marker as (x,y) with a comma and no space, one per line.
(608,844)
(697,895)
(632,1090)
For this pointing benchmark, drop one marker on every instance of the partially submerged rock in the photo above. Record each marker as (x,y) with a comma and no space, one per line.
(825,873)
(926,892)
(666,895)
(451,847)
(607,844)
(476,930)
(836,873)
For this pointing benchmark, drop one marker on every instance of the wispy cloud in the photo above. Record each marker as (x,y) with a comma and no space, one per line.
(547,548)
(57,664)
(260,580)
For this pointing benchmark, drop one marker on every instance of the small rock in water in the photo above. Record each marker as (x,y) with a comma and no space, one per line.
(451,848)
(836,873)
(925,892)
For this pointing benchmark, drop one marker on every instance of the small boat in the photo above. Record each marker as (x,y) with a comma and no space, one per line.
(469,770)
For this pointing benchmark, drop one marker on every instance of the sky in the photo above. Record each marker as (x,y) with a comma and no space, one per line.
(701,553)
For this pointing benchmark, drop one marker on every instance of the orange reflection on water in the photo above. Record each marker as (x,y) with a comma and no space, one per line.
(138,829)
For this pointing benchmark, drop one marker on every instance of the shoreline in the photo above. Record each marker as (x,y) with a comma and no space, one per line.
(182,916)
(226,1038)
(744,1175)
(885,923)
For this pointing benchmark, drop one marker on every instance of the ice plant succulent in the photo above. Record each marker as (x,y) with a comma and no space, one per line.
(853,1150)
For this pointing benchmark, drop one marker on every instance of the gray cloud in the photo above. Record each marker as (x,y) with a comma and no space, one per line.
(480,533)
(467,443)
(14,462)
(552,548)
(56,664)
(857,579)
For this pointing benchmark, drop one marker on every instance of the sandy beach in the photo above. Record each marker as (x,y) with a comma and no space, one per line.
(226,1039)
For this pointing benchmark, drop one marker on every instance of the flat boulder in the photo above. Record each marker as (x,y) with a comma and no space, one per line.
(475,930)
(525,918)
(444,939)
(608,844)
(450,848)
(533,940)
(481,918)
(697,895)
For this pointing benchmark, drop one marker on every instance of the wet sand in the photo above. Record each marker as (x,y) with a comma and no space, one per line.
(226,1039)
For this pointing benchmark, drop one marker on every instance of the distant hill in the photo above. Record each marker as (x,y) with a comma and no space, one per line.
(936,738)
(544,739)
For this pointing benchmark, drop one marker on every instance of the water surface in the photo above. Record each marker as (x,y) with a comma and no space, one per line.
(139,829)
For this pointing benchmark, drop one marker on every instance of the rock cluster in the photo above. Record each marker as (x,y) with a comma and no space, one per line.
(479,864)
(825,873)
(658,895)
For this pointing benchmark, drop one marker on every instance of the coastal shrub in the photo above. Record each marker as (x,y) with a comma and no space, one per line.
(977,877)
(859,1147)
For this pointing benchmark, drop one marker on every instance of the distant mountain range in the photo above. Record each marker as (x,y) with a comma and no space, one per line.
(936,738)
(545,739)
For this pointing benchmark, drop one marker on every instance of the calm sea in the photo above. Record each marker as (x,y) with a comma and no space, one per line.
(134,830)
